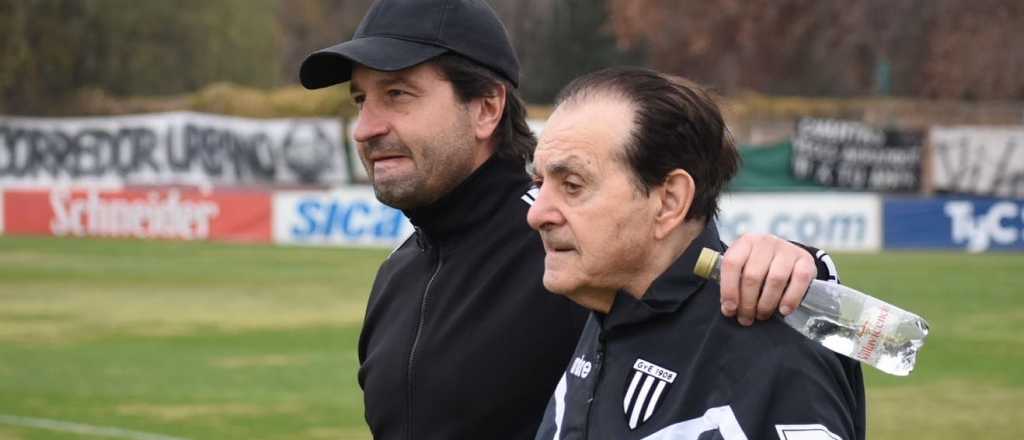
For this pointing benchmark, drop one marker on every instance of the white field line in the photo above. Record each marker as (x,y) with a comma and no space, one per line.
(79,428)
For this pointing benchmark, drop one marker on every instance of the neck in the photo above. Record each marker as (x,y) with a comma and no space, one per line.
(483,152)
(472,202)
(664,252)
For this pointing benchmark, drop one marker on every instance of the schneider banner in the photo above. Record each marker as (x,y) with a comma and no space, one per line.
(985,161)
(832,221)
(180,148)
(968,223)
(350,216)
(165,214)
(851,154)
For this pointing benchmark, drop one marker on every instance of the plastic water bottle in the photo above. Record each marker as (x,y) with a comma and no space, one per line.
(848,322)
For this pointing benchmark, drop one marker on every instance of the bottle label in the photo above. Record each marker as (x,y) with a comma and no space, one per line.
(874,325)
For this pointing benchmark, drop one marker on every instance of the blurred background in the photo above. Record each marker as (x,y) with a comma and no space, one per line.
(187,238)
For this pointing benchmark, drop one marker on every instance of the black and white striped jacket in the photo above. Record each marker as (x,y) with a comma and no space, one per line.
(671,366)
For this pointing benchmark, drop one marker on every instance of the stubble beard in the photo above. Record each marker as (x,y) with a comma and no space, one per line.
(406,193)
(444,162)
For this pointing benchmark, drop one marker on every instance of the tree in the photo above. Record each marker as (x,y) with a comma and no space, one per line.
(53,48)
(933,48)
(308,25)
(558,40)
(975,51)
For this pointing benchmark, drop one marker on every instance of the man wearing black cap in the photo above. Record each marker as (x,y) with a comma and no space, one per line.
(460,338)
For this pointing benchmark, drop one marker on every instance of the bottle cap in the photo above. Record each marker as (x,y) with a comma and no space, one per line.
(705,263)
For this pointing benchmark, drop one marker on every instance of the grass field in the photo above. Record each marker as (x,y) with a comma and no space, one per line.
(217,341)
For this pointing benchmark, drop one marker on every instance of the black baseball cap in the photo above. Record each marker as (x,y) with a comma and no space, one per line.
(398,34)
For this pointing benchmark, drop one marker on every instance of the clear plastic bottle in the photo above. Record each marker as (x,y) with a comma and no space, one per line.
(848,322)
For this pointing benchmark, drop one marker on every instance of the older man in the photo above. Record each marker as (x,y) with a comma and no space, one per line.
(630,167)
(460,339)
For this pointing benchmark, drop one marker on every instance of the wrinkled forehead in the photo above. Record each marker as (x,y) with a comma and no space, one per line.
(590,129)
(556,162)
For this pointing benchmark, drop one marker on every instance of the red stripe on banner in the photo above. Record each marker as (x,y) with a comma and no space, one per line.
(27,212)
(160,214)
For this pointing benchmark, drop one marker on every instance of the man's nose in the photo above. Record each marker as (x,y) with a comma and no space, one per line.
(543,213)
(370,124)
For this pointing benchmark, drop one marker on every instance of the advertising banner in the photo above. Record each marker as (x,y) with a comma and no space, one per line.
(169,214)
(768,168)
(851,154)
(180,148)
(831,221)
(986,161)
(971,224)
(347,217)
(358,171)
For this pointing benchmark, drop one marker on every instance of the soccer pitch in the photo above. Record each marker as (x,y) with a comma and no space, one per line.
(177,340)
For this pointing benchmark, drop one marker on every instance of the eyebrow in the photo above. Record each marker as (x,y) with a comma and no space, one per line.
(389,80)
(569,165)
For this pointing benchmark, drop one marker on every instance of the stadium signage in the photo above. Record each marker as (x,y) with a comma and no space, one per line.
(985,161)
(851,154)
(972,224)
(837,222)
(167,214)
(156,216)
(170,148)
(351,216)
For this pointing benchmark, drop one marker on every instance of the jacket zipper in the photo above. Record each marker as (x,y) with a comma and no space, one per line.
(599,362)
(416,340)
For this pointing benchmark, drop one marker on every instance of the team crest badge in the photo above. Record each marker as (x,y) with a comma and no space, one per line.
(644,391)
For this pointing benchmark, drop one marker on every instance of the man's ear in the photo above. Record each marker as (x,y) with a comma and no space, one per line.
(676,197)
(486,112)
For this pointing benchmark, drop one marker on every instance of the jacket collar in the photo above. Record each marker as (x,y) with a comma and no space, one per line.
(474,201)
(669,291)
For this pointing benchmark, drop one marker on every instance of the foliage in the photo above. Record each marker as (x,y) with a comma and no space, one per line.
(308,25)
(558,40)
(52,48)
(926,48)
(291,101)
(55,52)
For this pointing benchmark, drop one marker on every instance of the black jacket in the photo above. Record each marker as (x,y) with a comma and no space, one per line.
(460,340)
(672,366)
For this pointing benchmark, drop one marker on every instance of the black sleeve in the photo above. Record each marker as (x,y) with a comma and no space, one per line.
(826,267)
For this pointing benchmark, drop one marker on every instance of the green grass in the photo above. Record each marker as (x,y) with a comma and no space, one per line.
(194,340)
(968,382)
(217,341)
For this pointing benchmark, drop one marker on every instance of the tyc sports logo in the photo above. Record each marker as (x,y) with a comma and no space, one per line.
(998,225)
(644,391)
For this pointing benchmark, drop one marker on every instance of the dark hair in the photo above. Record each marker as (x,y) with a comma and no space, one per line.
(676,124)
(470,80)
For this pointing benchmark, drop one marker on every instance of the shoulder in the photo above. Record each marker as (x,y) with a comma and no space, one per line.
(773,343)
(769,352)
